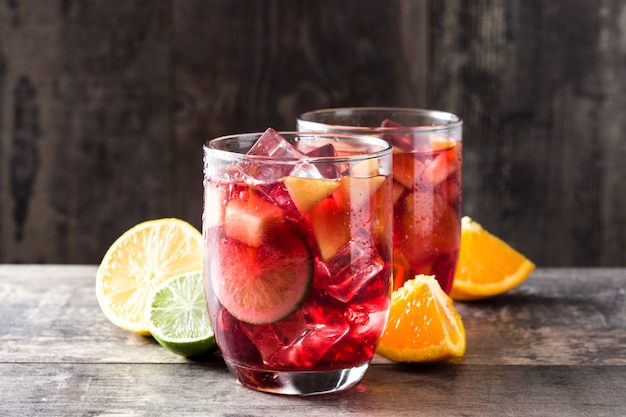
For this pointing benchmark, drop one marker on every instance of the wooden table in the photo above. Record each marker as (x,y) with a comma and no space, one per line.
(555,346)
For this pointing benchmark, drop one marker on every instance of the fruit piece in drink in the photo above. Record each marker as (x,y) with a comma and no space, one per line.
(250,220)
(264,266)
(331,227)
(356,191)
(262,284)
(308,192)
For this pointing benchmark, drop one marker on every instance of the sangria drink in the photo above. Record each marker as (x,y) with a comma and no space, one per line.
(427,182)
(298,234)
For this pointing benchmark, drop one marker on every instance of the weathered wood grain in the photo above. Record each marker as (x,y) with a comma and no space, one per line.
(554,346)
(541,88)
(85,136)
(200,389)
(103,110)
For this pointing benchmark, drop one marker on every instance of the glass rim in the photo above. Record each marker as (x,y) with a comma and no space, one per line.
(454,120)
(385,147)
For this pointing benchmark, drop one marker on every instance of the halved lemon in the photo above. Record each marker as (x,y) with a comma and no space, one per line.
(138,261)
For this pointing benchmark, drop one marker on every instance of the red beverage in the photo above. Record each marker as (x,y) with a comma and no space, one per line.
(298,261)
(427,182)
(426,212)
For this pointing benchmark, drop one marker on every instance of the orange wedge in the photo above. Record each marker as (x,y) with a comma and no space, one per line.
(487,266)
(138,261)
(423,324)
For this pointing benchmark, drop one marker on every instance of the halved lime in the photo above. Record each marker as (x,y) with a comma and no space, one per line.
(178,318)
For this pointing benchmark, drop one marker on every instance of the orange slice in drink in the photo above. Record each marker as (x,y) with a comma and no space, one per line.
(423,324)
(487,266)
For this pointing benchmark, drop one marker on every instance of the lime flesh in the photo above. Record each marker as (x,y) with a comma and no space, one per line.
(266,284)
(178,318)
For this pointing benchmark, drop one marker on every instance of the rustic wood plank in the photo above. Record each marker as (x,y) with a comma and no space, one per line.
(558,316)
(207,389)
(541,88)
(50,313)
(551,347)
(85,126)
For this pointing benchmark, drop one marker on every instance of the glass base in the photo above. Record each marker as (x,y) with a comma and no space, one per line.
(298,382)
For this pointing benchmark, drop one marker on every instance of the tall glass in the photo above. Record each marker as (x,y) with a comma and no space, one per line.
(298,236)
(427,182)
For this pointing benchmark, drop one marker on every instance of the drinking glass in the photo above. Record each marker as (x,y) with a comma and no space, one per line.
(298,246)
(427,181)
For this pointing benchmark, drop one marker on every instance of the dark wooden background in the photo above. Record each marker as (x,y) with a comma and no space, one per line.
(104,107)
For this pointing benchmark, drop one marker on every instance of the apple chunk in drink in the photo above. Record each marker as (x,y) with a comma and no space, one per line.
(298,235)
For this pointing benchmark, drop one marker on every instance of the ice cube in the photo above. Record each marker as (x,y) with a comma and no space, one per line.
(301,339)
(359,344)
(367,325)
(325,150)
(272,144)
(313,343)
(318,170)
(326,170)
(405,141)
(354,265)
(306,170)
(278,194)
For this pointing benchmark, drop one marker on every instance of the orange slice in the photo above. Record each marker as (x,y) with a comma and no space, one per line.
(138,261)
(423,324)
(487,266)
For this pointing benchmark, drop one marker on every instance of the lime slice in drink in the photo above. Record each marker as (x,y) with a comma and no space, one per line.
(178,318)
(266,284)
